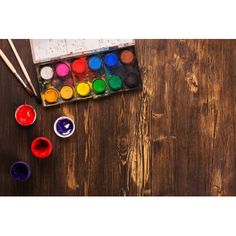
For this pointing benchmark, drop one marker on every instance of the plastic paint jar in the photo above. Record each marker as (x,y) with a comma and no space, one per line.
(79,66)
(95,63)
(20,171)
(111,59)
(99,86)
(46,73)
(51,95)
(126,57)
(131,80)
(41,147)
(25,115)
(115,82)
(83,89)
(64,127)
(67,92)
(62,69)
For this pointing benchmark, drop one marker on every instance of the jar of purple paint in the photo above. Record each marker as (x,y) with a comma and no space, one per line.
(64,127)
(20,171)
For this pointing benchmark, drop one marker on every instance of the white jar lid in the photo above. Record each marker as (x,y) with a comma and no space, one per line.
(46,73)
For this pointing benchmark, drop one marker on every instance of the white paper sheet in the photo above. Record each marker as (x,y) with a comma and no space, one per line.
(48,49)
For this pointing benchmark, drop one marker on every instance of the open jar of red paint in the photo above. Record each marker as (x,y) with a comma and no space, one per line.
(79,66)
(41,147)
(25,115)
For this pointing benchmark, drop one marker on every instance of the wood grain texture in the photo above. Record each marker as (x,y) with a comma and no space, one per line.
(175,137)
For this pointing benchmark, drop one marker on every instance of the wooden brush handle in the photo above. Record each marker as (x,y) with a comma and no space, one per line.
(13,70)
(8,63)
(22,66)
(19,60)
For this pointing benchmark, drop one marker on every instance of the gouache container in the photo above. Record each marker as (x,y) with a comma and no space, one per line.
(62,70)
(95,63)
(83,89)
(79,66)
(64,127)
(67,92)
(25,115)
(46,73)
(115,82)
(126,57)
(20,171)
(41,147)
(99,86)
(111,60)
(131,80)
(51,95)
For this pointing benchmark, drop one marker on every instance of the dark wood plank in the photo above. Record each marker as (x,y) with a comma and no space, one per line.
(174,137)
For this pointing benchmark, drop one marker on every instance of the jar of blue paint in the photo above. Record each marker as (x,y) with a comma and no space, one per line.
(20,171)
(64,127)
(95,63)
(111,60)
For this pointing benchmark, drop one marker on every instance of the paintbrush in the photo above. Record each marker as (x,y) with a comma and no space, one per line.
(22,66)
(13,70)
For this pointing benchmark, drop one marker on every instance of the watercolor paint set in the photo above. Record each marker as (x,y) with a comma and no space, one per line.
(72,70)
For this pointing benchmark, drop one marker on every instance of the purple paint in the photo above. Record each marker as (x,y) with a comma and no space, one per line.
(64,127)
(20,171)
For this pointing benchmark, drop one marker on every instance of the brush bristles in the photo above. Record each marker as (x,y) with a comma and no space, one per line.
(29,91)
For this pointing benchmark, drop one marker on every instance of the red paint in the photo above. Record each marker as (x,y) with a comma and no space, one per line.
(41,147)
(79,66)
(25,115)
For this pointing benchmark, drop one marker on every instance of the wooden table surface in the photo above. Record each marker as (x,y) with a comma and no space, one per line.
(176,136)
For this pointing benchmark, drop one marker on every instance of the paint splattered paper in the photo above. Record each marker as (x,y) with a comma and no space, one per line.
(44,50)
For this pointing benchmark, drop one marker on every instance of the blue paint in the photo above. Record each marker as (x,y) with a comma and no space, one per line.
(95,63)
(64,127)
(20,171)
(111,60)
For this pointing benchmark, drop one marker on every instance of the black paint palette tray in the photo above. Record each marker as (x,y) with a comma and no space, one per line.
(91,74)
